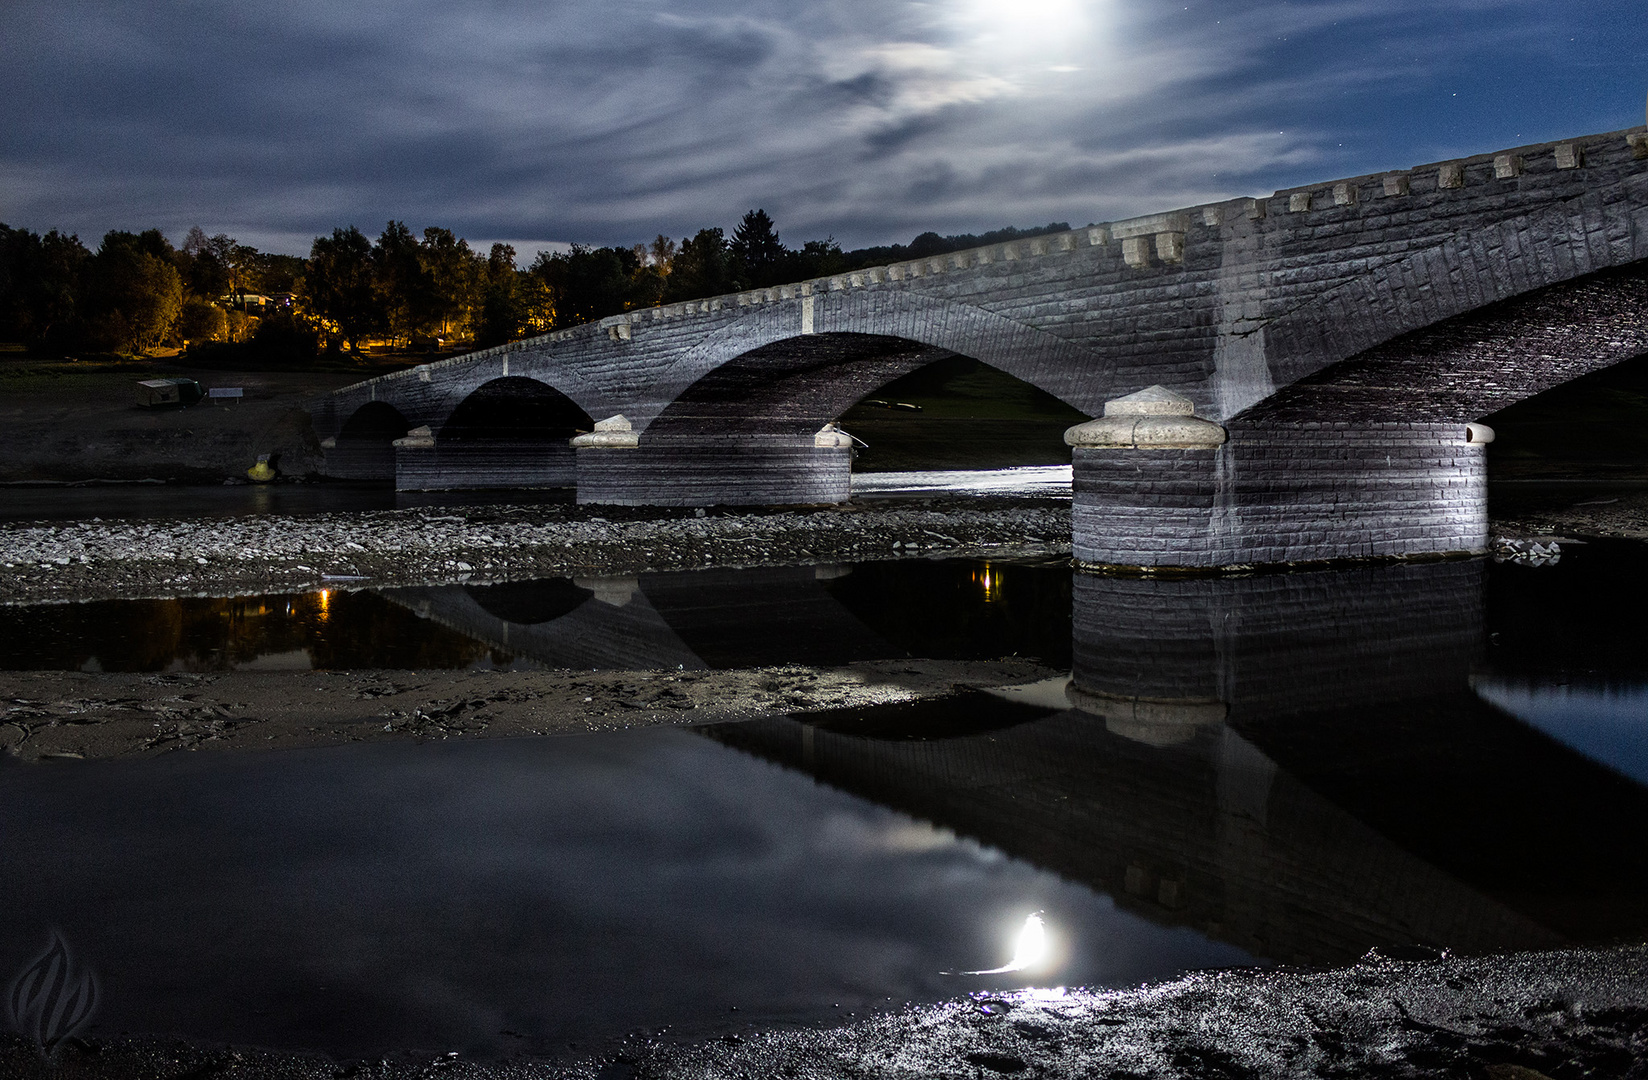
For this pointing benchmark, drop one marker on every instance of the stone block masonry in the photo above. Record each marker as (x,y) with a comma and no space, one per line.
(741,473)
(1296,495)
(445,466)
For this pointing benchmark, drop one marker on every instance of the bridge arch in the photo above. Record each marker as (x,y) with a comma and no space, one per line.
(507,432)
(1368,457)
(514,408)
(1066,369)
(364,446)
(1567,242)
(755,429)
(1478,362)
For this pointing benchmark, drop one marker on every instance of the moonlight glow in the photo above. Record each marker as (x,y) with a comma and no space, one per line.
(1028,22)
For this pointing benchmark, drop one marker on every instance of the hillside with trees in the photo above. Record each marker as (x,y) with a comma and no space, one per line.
(228,304)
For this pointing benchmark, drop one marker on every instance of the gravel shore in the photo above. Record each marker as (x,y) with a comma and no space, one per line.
(1533,1016)
(97,559)
(1617,513)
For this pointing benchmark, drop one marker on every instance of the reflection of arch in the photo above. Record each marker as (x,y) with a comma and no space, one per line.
(515,409)
(598,633)
(1208,834)
(509,432)
(530,603)
(364,449)
(692,619)
(1294,763)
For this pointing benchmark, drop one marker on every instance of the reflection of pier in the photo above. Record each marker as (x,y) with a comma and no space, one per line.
(1151,654)
(1291,763)
(697,619)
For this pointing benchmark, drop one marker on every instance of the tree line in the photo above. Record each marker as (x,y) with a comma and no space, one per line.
(136,292)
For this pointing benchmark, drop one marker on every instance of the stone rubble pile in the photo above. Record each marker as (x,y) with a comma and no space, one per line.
(1526,552)
(95,558)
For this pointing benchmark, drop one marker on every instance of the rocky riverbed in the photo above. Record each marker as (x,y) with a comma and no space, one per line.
(94,559)
(1606,512)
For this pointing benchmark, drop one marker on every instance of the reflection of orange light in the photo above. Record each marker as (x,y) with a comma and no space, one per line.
(325,597)
(988,582)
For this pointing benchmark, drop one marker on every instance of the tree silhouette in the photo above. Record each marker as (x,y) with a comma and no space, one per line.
(340,285)
(701,267)
(134,293)
(758,256)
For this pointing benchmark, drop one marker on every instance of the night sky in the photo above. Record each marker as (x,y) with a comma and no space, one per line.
(608,121)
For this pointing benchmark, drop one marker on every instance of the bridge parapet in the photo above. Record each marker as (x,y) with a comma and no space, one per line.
(1141,243)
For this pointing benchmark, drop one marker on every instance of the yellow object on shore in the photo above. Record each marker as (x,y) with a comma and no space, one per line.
(261,472)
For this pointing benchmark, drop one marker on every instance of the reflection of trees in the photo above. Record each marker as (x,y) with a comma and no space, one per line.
(337,630)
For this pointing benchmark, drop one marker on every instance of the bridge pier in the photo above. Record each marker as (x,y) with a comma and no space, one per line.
(1158,489)
(425,463)
(738,469)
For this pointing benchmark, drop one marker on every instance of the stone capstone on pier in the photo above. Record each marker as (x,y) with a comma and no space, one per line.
(613,433)
(1155,416)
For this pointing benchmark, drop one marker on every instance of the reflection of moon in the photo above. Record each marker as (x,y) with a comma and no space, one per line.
(1028,951)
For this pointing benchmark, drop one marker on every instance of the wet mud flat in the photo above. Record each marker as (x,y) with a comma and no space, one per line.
(47,715)
(97,559)
(1519,1017)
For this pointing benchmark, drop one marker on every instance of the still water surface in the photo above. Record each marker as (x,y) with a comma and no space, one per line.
(1288,768)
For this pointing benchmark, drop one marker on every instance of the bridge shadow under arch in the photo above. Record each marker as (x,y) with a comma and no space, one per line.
(510,432)
(753,429)
(365,447)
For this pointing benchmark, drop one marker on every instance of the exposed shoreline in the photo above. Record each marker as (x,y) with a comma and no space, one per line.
(1516,1017)
(91,559)
(51,715)
(1560,1013)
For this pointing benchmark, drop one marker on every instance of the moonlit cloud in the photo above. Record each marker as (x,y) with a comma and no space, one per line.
(608,122)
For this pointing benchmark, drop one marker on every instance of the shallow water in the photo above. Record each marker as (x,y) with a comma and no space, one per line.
(565,890)
(825,615)
(1286,768)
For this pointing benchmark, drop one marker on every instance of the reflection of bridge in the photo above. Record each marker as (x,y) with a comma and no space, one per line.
(693,619)
(1291,763)
(1337,338)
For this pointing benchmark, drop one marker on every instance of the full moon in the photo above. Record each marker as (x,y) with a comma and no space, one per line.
(1028,22)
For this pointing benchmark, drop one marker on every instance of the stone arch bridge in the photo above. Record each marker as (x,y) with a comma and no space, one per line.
(1311,364)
